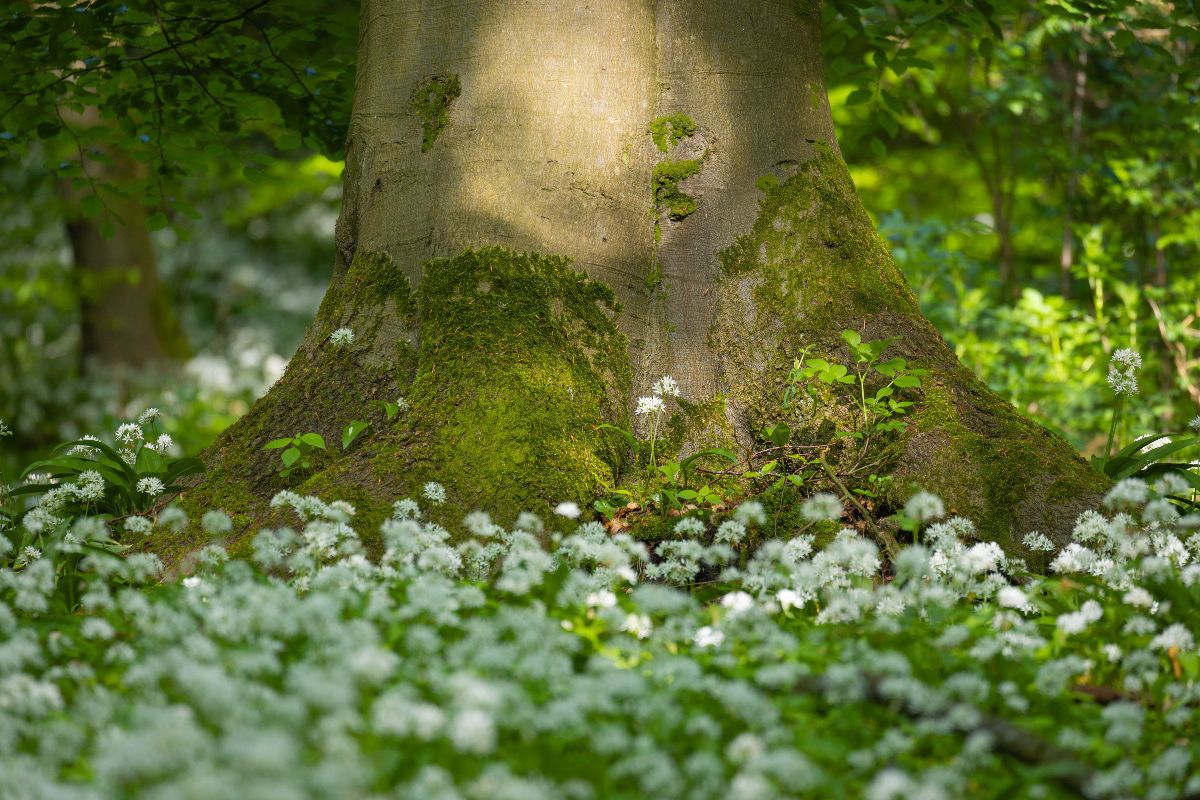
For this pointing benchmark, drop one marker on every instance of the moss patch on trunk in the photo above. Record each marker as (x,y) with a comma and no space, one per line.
(811,266)
(519,360)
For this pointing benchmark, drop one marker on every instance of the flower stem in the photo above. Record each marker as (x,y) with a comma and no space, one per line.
(1112,430)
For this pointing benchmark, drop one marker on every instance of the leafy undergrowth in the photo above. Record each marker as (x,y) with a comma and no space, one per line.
(528,663)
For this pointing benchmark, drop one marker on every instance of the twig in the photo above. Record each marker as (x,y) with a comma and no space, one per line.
(885,538)
(1178,356)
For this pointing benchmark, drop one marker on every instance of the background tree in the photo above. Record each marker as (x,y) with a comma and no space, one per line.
(126,318)
(143,77)
(1093,114)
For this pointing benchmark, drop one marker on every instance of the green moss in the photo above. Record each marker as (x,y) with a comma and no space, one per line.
(373,282)
(815,95)
(698,426)
(666,178)
(667,132)
(430,102)
(809,10)
(1008,477)
(520,360)
(812,266)
(670,130)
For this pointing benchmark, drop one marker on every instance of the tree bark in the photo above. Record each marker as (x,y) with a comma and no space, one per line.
(682,157)
(126,319)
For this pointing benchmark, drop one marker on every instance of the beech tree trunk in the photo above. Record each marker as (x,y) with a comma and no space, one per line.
(549,205)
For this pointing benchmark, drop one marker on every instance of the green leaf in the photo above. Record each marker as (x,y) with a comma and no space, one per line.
(852,337)
(181,467)
(91,205)
(891,367)
(777,434)
(275,444)
(687,494)
(111,458)
(290,456)
(391,409)
(835,372)
(288,140)
(313,439)
(156,221)
(352,431)
(1152,457)
(859,96)
(907,381)
(624,433)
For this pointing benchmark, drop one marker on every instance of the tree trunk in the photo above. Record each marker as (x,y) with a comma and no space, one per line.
(126,318)
(683,157)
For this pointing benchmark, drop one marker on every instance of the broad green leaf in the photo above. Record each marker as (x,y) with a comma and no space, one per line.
(313,439)
(290,456)
(624,433)
(352,431)
(275,444)
(891,367)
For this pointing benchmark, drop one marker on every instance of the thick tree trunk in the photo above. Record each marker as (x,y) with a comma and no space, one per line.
(682,156)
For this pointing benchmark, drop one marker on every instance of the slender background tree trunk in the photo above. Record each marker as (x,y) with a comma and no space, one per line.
(125,315)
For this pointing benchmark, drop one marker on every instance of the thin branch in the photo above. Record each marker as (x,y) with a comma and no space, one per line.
(1179,356)
(884,537)
(101,67)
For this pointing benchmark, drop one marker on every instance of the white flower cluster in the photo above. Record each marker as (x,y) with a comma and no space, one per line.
(485,657)
(1123,372)
(341,338)
(664,387)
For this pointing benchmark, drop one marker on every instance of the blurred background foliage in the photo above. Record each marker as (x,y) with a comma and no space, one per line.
(1032,165)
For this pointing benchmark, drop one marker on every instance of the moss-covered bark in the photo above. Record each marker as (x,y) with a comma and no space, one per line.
(813,266)
(519,360)
(509,361)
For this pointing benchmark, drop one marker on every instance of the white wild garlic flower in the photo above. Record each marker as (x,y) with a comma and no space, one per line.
(666,387)
(151,486)
(1122,372)
(129,433)
(341,337)
(650,405)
